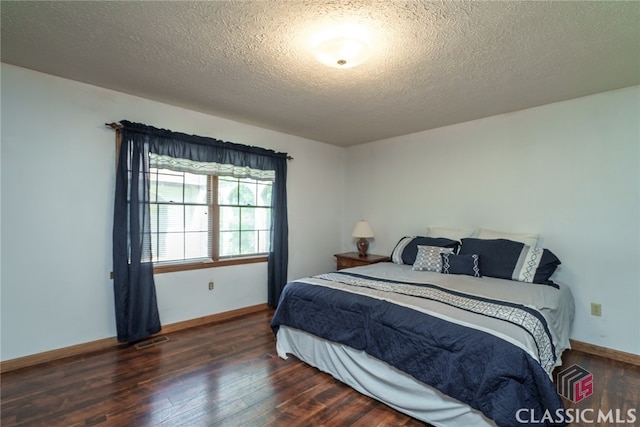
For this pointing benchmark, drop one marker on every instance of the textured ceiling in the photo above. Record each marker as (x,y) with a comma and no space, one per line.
(433,64)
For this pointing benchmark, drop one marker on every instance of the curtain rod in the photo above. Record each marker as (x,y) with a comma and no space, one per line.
(118,126)
(114,126)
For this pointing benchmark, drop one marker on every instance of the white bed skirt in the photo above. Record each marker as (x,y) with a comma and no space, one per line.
(378,380)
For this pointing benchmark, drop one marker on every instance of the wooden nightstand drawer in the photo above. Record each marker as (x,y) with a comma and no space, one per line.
(352,259)
(348,263)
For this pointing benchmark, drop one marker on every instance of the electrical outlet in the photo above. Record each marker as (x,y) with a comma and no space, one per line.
(596,309)
(210,286)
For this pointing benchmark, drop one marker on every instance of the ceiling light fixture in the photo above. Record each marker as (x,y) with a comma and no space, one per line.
(342,52)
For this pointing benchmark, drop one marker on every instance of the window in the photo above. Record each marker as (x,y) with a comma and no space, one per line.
(199,218)
(245,216)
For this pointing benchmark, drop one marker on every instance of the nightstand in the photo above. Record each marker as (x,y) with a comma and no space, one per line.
(352,259)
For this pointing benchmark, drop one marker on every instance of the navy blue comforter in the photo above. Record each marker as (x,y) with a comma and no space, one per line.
(475,367)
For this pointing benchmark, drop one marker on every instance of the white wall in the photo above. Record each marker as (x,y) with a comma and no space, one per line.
(58,178)
(569,171)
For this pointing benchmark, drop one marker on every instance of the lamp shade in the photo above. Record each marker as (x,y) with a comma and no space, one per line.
(362,230)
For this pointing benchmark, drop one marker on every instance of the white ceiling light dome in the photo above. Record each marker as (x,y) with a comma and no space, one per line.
(342,52)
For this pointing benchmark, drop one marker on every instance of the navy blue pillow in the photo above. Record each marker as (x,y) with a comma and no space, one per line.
(506,259)
(461,264)
(406,249)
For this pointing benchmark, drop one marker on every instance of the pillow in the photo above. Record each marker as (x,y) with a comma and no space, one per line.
(448,233)
(406,250)
(428,258)
(528,239)
(506,259)
(461,264)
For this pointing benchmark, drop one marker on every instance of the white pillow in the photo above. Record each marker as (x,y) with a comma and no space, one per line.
(449,233)
(528,239)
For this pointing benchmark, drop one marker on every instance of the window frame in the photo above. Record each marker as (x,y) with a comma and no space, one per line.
(214,227)
(174,266)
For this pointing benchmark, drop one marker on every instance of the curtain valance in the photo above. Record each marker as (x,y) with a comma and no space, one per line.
(180,145)
(162,161)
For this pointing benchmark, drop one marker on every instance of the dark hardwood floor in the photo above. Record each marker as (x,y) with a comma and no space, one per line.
(225,374)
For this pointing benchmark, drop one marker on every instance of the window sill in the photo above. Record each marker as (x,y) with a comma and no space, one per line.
(170,268)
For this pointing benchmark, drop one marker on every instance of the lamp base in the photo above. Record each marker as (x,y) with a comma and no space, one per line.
(363,246)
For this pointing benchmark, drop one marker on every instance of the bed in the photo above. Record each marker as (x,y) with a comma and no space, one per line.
(452,349)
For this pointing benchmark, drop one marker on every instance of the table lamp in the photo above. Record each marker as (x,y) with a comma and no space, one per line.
(362,232)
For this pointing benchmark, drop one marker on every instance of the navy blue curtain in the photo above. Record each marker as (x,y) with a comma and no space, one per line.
(134,288)
(202,149)
(279,254)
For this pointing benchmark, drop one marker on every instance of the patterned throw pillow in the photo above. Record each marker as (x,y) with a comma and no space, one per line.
(428,258)
(406,249)
(461,264)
